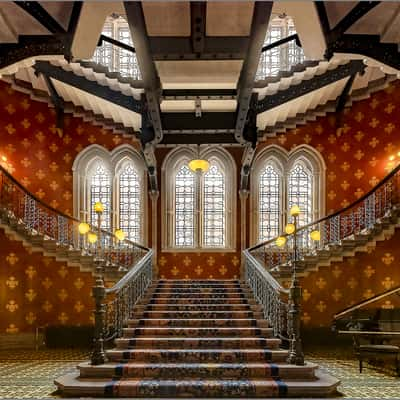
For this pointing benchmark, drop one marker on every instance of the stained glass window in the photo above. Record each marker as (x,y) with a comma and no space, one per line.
(300,192)
(214,208)
(269,201)
(100,190)
(130,208)
(184,207)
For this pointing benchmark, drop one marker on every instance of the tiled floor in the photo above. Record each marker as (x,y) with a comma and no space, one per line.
(30,374)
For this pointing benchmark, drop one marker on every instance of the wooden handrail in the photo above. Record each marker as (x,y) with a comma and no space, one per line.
(282,41)
(104,38)
(363,303)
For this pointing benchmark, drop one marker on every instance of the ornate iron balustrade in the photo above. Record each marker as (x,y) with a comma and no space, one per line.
(279,56)
(359,217)
(113,306)
(21,207)
(282,306)
(269,293)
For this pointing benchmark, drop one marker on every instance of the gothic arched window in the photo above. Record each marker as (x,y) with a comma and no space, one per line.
(118,180)
(280,180)
(199,209)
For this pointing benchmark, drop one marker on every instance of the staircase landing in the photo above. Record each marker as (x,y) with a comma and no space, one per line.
(197,339)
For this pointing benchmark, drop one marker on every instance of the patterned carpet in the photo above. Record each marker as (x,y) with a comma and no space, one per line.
(29,374)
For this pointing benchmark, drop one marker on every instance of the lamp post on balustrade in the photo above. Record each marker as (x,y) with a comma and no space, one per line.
(296,355)
(99,291)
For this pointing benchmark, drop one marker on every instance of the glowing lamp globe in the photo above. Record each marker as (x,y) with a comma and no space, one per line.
(295,211)
(98,207)
(289,229)
(280,241)
(83,228)
(315,235)
(119,234)
(199,165)
(92,237)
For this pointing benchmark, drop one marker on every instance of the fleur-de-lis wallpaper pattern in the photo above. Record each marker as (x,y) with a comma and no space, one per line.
(356,155)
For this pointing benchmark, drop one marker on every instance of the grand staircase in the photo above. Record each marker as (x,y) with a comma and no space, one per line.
(197,339)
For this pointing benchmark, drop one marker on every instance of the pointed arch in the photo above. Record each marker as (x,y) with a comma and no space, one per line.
(280,179)
(198,210)
(117,178)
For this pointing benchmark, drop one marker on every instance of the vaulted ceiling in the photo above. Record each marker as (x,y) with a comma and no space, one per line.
(199,64)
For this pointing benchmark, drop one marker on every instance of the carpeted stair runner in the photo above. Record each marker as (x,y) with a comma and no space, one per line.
(197,339)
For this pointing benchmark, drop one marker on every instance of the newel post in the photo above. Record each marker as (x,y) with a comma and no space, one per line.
(296,355)
(99,293)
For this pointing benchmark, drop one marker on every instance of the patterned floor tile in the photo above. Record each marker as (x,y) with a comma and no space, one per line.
(29,374)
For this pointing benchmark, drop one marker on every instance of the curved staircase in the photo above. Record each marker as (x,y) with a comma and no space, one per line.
(43,229)
(197,339)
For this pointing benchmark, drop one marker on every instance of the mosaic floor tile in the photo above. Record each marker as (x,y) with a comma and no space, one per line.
(29,374)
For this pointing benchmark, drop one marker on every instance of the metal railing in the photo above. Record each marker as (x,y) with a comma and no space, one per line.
(357,218)
(23,208)
(113,306)
(280,56)
(282,306)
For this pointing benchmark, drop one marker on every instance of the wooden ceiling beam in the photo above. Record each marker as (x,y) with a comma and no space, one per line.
(35,10)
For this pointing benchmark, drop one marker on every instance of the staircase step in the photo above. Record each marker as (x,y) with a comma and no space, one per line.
(72,386)
(198,343)
(198,355)
(195,300)
(197,370)
(203,291)
(201,314)
(200,307)
(177,295)
(222,322)
(196,332)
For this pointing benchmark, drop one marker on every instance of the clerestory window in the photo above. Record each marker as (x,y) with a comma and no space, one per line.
(283,57)
(113,57)
(199,208)
(118,180)
(280,180)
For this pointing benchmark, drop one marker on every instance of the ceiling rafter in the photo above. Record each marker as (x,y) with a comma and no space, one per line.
(151,115)
(259,27)
(31,46)
(198,12)
(35,10)
(368,46)
(355,14)
(306,86)
(214,48)
(57,102)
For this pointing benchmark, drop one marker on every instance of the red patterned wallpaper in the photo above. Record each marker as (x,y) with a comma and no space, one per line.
(355,157)
(343,284)
(357,154)
(37,290)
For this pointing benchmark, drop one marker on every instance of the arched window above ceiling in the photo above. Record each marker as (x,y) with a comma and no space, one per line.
(115,58)
(199,210)
(280,180)
(118,180)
